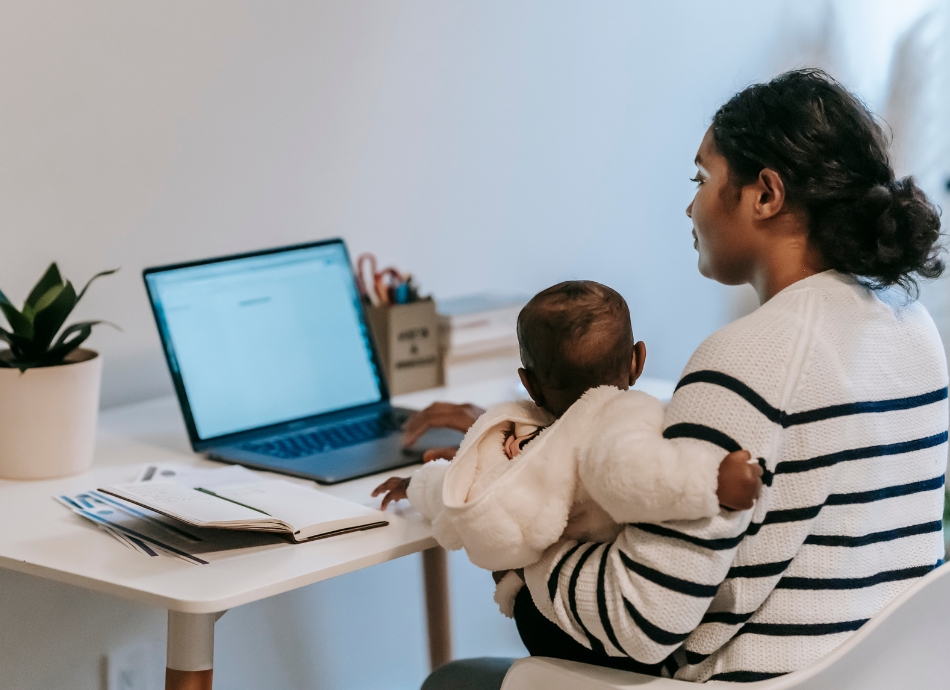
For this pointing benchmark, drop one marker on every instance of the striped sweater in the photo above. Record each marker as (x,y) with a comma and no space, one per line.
(842,393)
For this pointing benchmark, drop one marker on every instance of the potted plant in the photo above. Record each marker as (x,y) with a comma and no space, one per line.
(49,386)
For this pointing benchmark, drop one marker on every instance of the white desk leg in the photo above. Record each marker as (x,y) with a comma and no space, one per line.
(435,570)
(190,657)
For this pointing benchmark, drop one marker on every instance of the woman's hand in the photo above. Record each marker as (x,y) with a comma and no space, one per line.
(439,454)
(439,415)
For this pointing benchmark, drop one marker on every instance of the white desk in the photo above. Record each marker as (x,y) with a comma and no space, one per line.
(43,538)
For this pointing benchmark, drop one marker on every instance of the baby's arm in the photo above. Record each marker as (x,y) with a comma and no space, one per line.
(397,488)
(636,475)
(424,491)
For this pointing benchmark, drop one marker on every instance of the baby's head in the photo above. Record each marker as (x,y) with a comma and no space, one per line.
(576,336)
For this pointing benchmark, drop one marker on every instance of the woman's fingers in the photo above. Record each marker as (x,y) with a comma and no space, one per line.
(440,415)
(436,414)
(439,454)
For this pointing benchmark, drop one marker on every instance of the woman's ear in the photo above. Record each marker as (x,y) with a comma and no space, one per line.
(639,359)
(531,385)
(769,195)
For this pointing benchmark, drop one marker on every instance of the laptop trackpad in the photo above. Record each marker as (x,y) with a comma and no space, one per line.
(370,458)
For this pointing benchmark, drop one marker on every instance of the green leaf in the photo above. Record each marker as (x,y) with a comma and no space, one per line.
(6,358)
(19,346)
(78,327)
(20,324)
(49,279)
(6,336)
(44,301)
(98,275)
(63,347)
(46,323)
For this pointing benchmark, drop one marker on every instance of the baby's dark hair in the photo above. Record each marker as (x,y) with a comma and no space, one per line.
(832,157)
(576,335)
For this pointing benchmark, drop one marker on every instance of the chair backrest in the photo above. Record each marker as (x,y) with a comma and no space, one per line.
(904,646)
(901,647)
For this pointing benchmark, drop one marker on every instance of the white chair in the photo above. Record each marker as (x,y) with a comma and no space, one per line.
(906,646)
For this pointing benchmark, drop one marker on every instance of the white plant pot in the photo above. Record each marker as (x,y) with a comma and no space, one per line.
(48,418)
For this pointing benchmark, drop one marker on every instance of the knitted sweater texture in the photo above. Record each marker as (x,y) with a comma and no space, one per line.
(842,393)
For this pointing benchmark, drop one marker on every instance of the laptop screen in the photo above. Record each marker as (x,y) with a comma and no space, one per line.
(259,340)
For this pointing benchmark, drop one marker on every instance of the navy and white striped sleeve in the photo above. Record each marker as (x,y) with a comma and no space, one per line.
(643,595)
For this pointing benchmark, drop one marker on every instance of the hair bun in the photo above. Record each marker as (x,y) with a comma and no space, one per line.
(879,197)
(902,228)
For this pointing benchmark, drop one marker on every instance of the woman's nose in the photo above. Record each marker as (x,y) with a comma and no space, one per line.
(689,210)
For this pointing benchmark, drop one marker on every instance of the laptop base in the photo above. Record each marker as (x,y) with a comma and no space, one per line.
(343,464)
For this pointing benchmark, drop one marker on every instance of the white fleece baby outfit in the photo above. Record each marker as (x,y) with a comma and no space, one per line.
(506,512)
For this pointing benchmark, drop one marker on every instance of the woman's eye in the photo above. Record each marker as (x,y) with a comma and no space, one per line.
(697,179)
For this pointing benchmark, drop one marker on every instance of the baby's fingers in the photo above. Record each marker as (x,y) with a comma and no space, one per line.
(738,456)
(387,485)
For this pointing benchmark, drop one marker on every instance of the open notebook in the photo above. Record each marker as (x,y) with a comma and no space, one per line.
(263,505)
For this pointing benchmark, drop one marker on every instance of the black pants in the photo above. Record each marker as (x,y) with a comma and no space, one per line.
(544,638)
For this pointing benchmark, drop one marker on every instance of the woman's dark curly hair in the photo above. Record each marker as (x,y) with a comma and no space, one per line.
(832,157)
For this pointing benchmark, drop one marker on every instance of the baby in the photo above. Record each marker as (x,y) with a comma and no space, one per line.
(531,473)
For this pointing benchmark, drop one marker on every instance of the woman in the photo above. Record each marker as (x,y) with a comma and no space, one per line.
(838,382)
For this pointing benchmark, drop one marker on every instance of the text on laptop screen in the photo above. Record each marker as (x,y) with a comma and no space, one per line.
(266,339)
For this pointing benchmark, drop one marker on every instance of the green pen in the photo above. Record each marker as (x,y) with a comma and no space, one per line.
(231,500)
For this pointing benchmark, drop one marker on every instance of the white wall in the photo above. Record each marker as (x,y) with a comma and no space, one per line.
(485,146)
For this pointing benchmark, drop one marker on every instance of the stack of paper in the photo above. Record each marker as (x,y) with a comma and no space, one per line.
(481,324)
(197,514)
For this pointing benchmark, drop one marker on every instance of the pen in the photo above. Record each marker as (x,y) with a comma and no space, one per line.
(231,500)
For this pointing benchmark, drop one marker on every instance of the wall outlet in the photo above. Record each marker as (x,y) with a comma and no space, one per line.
(127,668)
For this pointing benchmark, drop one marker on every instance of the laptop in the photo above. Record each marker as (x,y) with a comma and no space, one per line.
(274,365)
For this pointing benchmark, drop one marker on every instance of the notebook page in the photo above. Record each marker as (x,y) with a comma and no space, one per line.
(186,503)
(299,506)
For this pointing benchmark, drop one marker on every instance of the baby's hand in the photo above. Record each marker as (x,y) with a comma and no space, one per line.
(394,488)
(739,481)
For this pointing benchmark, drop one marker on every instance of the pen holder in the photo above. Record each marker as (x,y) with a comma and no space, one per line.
(408,339)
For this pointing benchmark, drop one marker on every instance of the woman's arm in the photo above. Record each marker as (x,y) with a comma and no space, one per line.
(641,596)
(645,593)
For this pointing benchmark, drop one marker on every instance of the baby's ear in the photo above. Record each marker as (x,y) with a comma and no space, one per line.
(530,385)
(639,359)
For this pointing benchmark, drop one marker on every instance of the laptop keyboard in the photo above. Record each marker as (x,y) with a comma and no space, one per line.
(306,443)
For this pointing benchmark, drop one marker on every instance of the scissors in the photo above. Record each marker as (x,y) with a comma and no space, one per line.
(385,283)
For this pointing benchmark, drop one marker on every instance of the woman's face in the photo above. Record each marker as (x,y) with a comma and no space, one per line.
(723,231)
